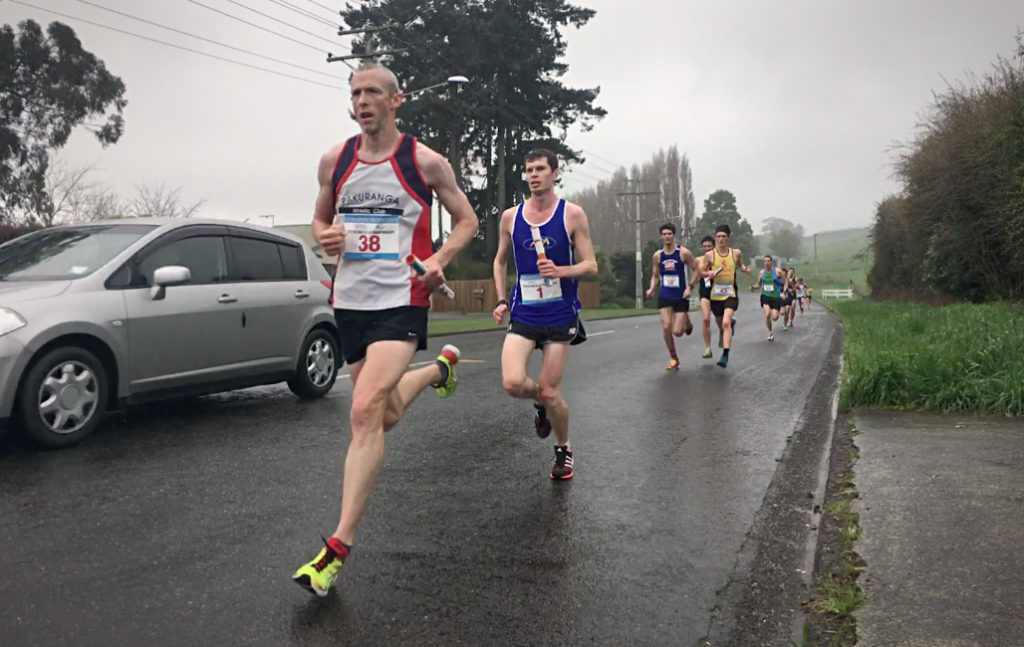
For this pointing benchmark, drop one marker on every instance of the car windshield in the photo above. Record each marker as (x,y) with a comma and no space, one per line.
(65,252)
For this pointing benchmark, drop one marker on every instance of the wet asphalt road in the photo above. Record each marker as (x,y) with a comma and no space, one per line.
(182,523)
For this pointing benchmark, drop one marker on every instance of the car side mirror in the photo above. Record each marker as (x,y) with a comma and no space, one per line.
(166,276)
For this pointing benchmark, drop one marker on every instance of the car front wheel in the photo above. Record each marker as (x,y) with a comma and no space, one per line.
(318,366)
(63,397)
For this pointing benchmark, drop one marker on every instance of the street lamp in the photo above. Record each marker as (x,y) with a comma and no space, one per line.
(271,216)
(452,80)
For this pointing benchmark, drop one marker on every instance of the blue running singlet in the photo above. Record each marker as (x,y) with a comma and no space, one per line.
(673,275)
(538,301)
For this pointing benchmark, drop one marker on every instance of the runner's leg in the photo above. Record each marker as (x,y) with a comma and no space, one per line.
(514,354)
(556,356)
(373,380)
(705,313)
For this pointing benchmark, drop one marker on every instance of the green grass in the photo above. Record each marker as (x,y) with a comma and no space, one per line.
(956,358)
(475,321)
(838,260)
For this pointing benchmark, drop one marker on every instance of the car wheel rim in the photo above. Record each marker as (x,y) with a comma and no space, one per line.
(320,363)
(68,397)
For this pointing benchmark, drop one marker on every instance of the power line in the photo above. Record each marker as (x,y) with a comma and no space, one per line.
(181,47)
(214,42)
(287,24)
(304,13)
(252,24)
(322,6)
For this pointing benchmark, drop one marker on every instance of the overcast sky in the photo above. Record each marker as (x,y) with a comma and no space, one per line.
(793,106)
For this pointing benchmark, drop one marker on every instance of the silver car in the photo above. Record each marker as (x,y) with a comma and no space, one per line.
(102,315)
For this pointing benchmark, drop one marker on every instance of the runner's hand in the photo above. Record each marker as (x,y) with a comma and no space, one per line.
(332,240)
(649,293)
(433,277)
(686,292)
(499,313)
(547,268)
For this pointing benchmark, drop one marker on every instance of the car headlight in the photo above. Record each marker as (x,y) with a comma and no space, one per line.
(10,321)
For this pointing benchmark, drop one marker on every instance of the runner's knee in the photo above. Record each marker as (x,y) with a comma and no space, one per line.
(366,408)
(549,395)
(514,385)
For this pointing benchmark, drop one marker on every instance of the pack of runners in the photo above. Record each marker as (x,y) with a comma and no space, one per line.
(372,213)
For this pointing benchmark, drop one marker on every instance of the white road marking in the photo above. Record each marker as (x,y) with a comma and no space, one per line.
(603,332)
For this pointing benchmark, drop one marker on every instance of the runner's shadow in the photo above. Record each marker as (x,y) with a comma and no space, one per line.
(326,617)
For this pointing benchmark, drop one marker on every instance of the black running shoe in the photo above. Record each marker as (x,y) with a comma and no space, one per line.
(540,421)
(562,469)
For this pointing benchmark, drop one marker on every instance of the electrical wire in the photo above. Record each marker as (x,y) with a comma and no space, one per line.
(287,24)
(175,46)
(304,13)
(214,42)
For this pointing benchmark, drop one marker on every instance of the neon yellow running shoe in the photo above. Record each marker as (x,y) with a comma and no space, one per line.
(707,353)
(318,575)
(673,365)
(448,358)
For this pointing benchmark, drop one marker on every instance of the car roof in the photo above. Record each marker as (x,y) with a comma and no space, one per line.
(168,224)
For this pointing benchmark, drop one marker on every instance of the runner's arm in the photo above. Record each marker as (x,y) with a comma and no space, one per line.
(655,274)
(698,271)
(579,232)
(500,269)
(440,177)
(331,237)
(739,262)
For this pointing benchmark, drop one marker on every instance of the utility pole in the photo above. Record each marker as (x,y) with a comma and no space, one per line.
(369,40)
(637,283)
(816,272)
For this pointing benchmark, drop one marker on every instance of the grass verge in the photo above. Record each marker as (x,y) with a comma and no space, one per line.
(838,565)
(476,321)
(962,357)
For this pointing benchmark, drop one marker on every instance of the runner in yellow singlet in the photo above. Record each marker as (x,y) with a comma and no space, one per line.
(720,265)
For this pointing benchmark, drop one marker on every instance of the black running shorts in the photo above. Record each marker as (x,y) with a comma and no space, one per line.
(541,335)
(682,305)
(360,328)
(773,302)
(718,308)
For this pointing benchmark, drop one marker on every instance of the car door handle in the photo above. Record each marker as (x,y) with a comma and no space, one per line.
(226,298)
(301,294)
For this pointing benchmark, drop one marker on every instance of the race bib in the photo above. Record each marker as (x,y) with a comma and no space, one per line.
(769,287)
(370,233)
(722,290)
(537,289)
(670,280)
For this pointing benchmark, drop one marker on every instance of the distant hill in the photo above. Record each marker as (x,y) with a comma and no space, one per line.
(840,258)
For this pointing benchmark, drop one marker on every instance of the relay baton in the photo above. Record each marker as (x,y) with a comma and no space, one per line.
(538,243)
(421,269)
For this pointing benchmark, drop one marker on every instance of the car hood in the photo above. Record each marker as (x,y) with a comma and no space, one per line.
(13,292)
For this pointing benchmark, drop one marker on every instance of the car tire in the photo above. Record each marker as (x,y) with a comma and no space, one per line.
(317,368)
(63,397)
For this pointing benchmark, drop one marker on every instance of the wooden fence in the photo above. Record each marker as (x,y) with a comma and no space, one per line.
(478,296)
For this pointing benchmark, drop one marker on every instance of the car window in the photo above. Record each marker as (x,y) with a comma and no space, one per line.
(294,260)
(204,256)
(256,260)
(66,252)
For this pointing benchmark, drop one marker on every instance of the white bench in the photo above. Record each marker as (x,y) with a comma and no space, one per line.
(837,294)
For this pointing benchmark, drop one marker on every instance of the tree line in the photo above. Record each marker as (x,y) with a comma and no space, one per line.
(956,230)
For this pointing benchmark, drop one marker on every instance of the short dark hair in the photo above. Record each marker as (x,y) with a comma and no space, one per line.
(668,226)
(707,239)
(769,257)
(548,155)
(723,228)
